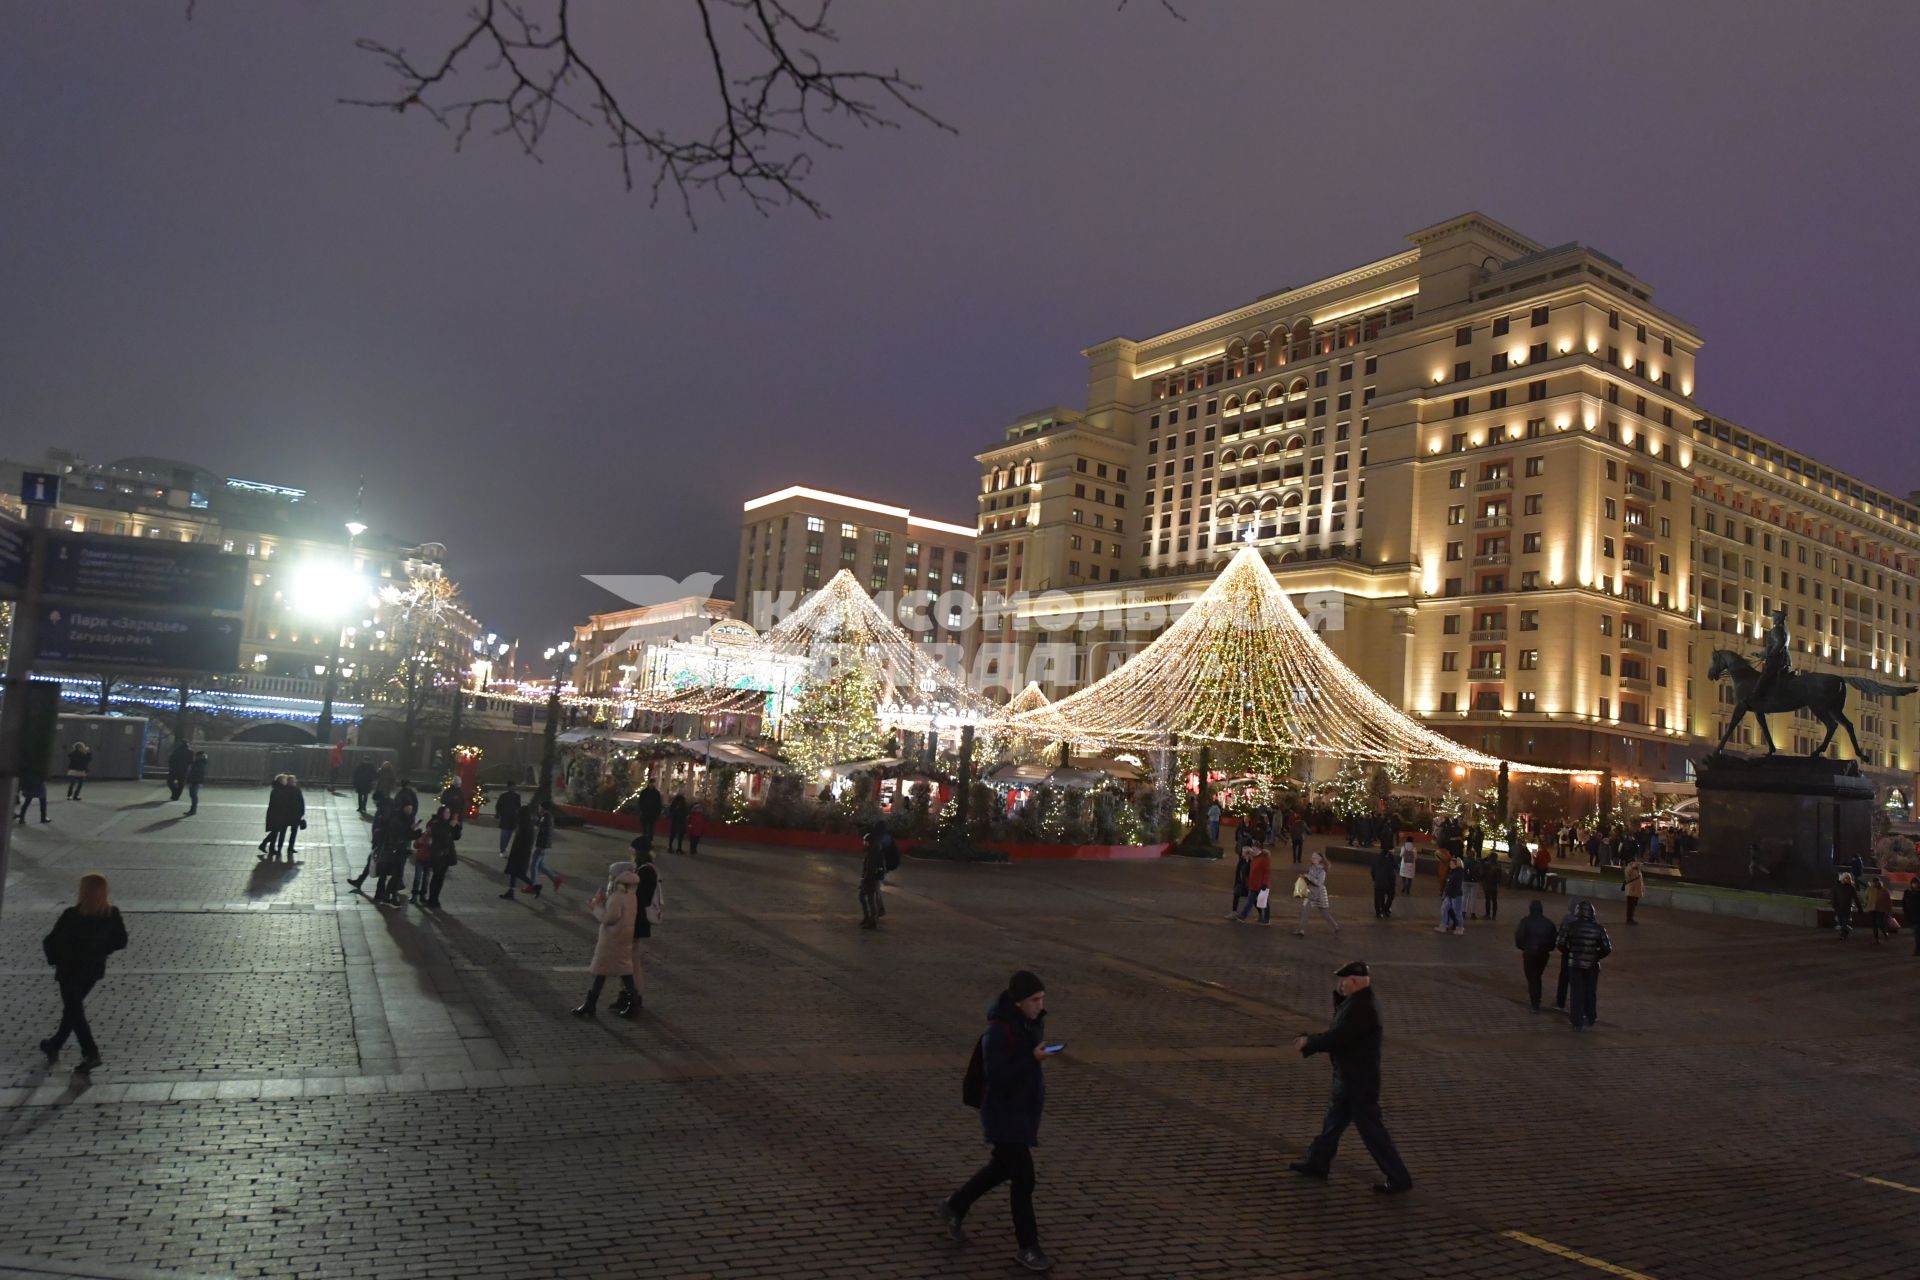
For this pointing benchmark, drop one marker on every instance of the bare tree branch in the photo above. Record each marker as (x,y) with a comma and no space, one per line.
(512,73)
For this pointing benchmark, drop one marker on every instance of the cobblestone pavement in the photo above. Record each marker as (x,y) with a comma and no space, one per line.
(301,1084)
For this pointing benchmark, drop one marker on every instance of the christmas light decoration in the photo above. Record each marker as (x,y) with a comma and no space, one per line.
(839,627)
(1242,666)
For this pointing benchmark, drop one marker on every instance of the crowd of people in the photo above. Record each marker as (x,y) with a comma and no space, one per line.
(1004,1079)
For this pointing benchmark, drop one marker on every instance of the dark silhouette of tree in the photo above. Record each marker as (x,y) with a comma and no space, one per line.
(517,68)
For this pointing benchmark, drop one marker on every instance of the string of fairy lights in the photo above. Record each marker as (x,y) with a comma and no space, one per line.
(1242,666)
(839,626)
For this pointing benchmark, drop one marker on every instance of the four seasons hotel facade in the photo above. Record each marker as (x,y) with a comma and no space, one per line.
(1481,466)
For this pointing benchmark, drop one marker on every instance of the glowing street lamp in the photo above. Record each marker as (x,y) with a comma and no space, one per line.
(331,592)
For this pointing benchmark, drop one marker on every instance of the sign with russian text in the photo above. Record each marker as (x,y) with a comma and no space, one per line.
(113,638)
(144,571)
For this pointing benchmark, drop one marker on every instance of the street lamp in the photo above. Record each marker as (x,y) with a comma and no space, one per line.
(332,593)
(558,655)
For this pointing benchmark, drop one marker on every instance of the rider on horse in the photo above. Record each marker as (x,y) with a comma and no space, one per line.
(1776,658)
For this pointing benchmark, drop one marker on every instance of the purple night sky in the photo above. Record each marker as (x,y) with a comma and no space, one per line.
(208,259)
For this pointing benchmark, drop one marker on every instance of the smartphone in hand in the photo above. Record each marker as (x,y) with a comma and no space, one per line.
(1054,1048)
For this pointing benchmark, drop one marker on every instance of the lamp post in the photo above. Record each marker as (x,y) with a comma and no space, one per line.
(325,730)
(550,749)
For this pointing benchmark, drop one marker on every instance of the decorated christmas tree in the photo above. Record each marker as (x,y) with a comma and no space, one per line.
(833,719)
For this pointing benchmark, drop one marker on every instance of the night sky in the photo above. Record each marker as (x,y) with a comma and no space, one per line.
(208,258)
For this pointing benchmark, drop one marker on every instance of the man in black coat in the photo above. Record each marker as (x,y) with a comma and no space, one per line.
(1353,1044)
(1535,938)
(363,781)
(179,760)
(1386,872)
(649,807)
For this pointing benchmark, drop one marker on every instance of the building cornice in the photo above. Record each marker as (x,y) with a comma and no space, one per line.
(1287,301)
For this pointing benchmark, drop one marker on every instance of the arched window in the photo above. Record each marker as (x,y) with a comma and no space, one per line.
(1236,358)
(1300,347)
(1228,457)
(1296,442)
(1272,450)
(1257,354)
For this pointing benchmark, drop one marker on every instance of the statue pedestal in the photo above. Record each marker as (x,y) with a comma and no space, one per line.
(1810,818)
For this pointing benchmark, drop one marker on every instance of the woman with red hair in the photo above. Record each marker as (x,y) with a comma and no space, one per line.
(82,939)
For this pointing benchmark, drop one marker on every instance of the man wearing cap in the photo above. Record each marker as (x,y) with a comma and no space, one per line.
(1353,1044)
(1013,1092)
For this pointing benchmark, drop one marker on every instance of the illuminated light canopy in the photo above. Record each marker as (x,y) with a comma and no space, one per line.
(836,628)
(1242,666)
(858,504)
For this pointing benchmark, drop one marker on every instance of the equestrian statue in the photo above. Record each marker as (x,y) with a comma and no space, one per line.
(1775,686)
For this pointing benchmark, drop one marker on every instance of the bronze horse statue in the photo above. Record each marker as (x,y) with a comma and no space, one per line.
(1824,695)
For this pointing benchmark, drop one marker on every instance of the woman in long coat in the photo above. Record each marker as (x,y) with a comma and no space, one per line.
(614,907)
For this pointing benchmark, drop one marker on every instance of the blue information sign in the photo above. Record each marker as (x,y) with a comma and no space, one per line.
(115,638)
(16,547)
(39,488)
(98,569)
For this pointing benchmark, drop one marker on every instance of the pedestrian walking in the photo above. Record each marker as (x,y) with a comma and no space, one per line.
(1470,884)
(1542,861)
(1409,865)
(649,810)
(1584,943)
(1535,938)
(79,762)
(507,810)
(1352,1044)
(423,863)
(647,897)
(881,856)
(1213,822)
(363,782)
(33,786)
(696,828)
(1299,838)
(395,847)
(520,855)
(1880,910)
(178,761)
(677,823)
(1242,867)
(1259,886)
(296,807)
(1314,881)
(1490,884)
(1452,896)
(77,948)
(276,822)
(1635,880)
(543,845)
(1386,874)
(443,831)
(1846,900)
(614,906)
(196,776)
(1005,1081)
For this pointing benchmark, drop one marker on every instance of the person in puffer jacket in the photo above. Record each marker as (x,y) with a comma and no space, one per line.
(1584,943)
(615,907)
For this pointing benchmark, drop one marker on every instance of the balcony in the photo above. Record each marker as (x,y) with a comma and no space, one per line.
(1496,485)
(1635,684)
(1640,491)
(1491,560)
(1487,675)
(1638,569)
(1489,635)
(1492,522)
(1636,644)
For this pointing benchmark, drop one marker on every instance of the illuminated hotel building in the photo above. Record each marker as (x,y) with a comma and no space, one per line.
(1482,462)
(794,540)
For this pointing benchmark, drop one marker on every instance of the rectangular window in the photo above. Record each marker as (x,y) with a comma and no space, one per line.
(1539,316)
(1463,336)
(816,525)
(1535,464)
(1500,327)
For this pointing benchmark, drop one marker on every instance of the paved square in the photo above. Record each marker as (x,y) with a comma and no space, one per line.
(301,1084)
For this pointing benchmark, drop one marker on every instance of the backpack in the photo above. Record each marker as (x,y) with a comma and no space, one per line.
(973,1085)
